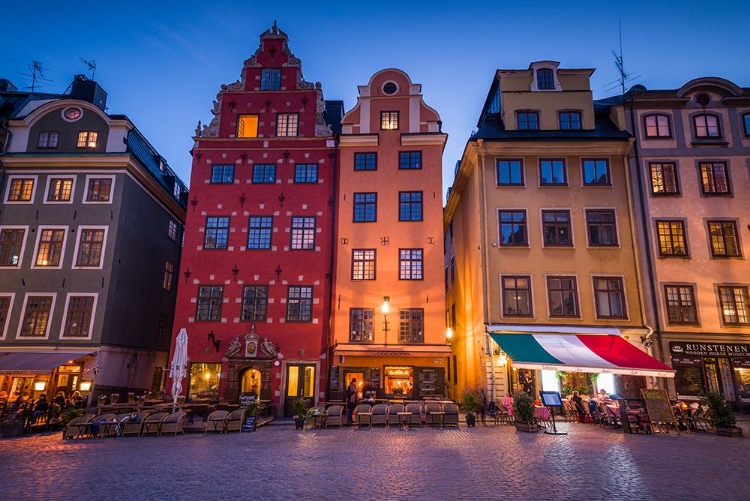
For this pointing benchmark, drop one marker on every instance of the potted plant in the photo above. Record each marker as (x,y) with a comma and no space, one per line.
(720,415)
(299,409)
(524,413)
(470,404)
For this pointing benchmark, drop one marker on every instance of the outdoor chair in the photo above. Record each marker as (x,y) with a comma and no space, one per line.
(152,423)
(393,417)
(134,424)
(416,413)
(97,425)
(76,428)
(172,423)
(334,416)
(233,420)
(379,414)
(362,415)
(502,416)
(451,414)
(216,422)
(428,417)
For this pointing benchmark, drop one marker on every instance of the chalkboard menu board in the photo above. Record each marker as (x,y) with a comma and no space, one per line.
(248,424)
(246,399)
(333,378)
(375,378)
(429,381)
(658,407)
(634,415)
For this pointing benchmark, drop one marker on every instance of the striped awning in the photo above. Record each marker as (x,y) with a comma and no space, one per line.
(598,353)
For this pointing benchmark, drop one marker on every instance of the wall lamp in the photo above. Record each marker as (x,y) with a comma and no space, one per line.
(385,308)
(448,335)
(216,342)
(647,342)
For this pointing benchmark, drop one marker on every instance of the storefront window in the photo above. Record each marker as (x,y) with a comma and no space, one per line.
(399,381)
(742,376)
(204,380)
(688,376)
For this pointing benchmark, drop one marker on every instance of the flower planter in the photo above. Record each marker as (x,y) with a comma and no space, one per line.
(530,428)
(471,420)
(299,424)
(733,431)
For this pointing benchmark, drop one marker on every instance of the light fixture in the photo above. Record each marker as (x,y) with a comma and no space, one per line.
(385,308)
(85,386)
(40,385)
(448,335)
(502,359)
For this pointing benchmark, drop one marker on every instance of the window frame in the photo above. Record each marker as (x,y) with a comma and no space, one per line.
(261,174)
(245,120)
(601,224)
(47,135)
(410,160)
(208,306)
(300,295)
(168,278)
(365,207)
(364,265)
(172,230)
(409,320)
(5,312)
(556,225)
(365,161)
(62,246)
(87,140)
(64,332)
(525,118)
(513,166)
(707,136)
(301,234)
(523,224)
(270,79)
(746,124)
(570,115)
(13,245)
(516,293)
(739,307)
(78,248)
(411,264)
(88,186)
(611,294)
(595,165)
(214,228)
(256,305)
(542,75)
(657,169)
(287,125)
(669,240)
(552,169)
(409,208)
(724,223)
(50,189)
(657,127)
(25,311)
(21,190)
(305,173)
(682,303)
(389,120)
(710,179)
(223,176)
(361,325)
(261,229)
(563,291)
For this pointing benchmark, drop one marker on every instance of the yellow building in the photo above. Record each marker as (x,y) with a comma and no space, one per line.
(541,252)
(389,296)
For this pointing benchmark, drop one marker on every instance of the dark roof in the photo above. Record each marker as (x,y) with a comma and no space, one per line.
(333,115)
(605,130)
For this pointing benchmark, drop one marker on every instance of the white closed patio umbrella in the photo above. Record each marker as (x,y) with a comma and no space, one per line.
(178,367)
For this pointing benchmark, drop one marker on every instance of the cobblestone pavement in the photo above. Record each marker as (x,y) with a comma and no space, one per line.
(277,462)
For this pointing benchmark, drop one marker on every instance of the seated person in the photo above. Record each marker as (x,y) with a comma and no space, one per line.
(492,408)
(578,402)
(593,405)
(604,397)
(41,408)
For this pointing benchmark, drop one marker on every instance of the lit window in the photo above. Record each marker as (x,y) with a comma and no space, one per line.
(517,296)
(264,174)
(306,173)
(247,126)
(59,190)
(365,207)
(570,120)
(363,264)
(411,325)
(172,231)
(270,79)
(527,120)
(299,304)
(512,227)
(209,301)
(410,206)
(724,239)
(389,120)
(48,139)
(166,283)
(657,126)
(365,161)
(87,139)
(21,190)
(602,228)
(286,124)
(360,324)
(11,243)
(303,233)
(410,160)
(563,296)
(706,126)
(596,172)
(99,190)
(552,172)
(36,316)
(50,247)
(510,173)
(714,178)
(78,316)
(680,304)
(411,264)
(222,174)
(610,299)
(664,179)
(90,244)
(671,238)
(735,305)
(545,79)
(556,228)
(216,233)
(259,232)
(254,303)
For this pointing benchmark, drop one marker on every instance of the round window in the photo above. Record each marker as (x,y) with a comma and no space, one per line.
(390,88)
(72,113)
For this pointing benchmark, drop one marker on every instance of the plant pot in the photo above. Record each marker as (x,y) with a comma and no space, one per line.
(299,424)
(530,428)
(471,420)
(729,431)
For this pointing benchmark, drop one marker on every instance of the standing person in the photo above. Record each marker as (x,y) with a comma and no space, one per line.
(351,400)
(482,405)
(527,382)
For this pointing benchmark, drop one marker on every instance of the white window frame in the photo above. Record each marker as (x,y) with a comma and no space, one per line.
(86,189)
(9,182)
(50,177)
(23,244)
(616,222)
(624,295)
(53,295)
(12,297)
(78,243)
(36,247)
(65,314)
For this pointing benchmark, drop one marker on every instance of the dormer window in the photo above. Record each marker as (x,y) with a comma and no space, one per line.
(544,76)
(545,79)
(270,79)
(527,120)
(570,120)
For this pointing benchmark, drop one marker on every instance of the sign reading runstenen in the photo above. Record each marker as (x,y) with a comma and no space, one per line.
(710,349)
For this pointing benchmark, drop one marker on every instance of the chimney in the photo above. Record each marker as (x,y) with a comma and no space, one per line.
(88,90)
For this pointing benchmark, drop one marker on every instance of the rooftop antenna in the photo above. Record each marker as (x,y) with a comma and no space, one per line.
(36,69)
(623,76)
(91,64)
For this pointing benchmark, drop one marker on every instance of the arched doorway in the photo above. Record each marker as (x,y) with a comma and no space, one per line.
(250,381)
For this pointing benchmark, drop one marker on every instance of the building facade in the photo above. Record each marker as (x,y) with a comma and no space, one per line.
(690,170)
(90,230)
(389,296)
(257,265)
(541,250)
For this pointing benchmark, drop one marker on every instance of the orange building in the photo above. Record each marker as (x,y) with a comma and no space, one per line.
(388,306)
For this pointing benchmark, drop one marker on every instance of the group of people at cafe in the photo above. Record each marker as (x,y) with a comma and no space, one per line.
(30,411)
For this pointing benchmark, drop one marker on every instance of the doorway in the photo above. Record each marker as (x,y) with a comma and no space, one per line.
(300,383)
(251,382)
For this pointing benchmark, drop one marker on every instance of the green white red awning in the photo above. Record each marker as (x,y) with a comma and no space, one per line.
(598,353)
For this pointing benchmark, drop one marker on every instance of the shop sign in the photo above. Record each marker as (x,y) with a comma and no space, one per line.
(686,362)
(710,349)
(743,363)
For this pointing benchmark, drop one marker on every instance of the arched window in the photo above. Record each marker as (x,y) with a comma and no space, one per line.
(657,125)
(706,126)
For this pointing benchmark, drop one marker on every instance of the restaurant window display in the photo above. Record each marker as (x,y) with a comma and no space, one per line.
(399,381)
(204,380)
(719,367)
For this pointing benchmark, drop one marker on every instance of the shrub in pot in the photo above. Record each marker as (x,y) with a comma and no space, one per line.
(720,414)
(470,404)
(524,412)
(299,409)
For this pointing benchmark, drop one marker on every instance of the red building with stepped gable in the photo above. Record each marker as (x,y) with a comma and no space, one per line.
(254,289)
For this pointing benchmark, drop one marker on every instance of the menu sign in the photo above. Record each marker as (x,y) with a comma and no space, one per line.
(249,424)
(709,349)
(333,378)
(658,406)
(375,378)
(246,399)
(429,381)
(634,415)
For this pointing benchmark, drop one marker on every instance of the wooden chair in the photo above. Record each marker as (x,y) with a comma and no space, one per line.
(233,420)
(75,428)
(334,416)
(393,418)
(430,407)
(416,413)
(362,415)
(152,423)
(502,416)
(172,423)
(134,424)
(379,414)
(451,414)
(216,422)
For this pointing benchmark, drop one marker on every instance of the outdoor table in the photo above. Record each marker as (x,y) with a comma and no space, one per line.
(404,417)
(108,425)
(366,416)
(82,427)
(148,424)
(318,420)
(439,415)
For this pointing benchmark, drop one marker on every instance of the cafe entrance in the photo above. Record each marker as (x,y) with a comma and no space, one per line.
(300,383)
(251,382)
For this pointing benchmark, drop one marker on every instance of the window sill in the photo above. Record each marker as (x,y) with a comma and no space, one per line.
(709,142)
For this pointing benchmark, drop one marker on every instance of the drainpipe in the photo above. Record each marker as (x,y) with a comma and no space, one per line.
(331,264)
(484,250)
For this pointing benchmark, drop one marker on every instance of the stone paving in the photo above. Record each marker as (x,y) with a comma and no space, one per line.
(482,463)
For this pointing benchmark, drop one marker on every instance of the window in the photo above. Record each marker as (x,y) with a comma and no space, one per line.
(11,245)
(21,190)
(706,126)
(360,324)
(49,252)
(168,276)
(410,206)
(363,264)
(286,124)
(552,172)
(410,264)
(510,172)
(724,238)
(59,190)
(87,139)
(389,120)
(527,120)
(254,303)
(610,299)
(664,179)
(517,296)
(602,228)
(270,79)
(563,297)
(78,316)
(210,298)
(222,174)
(264,173)
(306,173)
(570,120)
(36,317)
(714,178)
(746,123)
(247,126)
(411,326)
(735,305)
(90,244)
(303,233)
(48,139)
(259,232)
(99,189)
(365,161)
(545,79)
(671,238)
(453,268)
(4,311)
(596,172)
(410,160)
(680,304)
(365,207)
(216,233)
(556,228)
(657,126)
(512,227)
(172,231)
(299,304)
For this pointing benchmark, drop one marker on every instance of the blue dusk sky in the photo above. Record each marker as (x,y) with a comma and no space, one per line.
(162,62)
